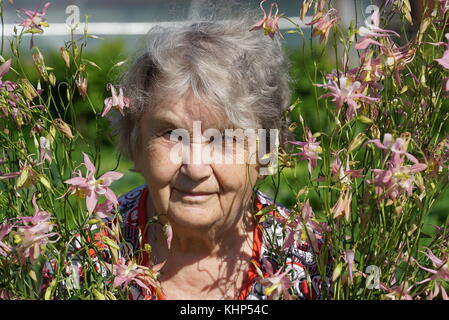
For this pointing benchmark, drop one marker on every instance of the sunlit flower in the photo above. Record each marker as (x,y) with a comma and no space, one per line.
(92,188)
(119,101)
(269,23)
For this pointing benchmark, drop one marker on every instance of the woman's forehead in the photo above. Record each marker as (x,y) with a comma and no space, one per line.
(184,111)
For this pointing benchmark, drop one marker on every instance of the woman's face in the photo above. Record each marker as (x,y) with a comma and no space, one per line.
(195,196)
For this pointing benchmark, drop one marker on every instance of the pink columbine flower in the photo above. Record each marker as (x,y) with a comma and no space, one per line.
(322,23)
(401,291)
(125,273)
(397,147)
(305,225)
(104,210)
(269,23)
(92,188)
(372,30)
(81,83)
(5,229)
(4,69)
(398,177)
(275,283)
(441,268)
(33,234)
(310,150)
(344,90)
(119,101)
(34,20)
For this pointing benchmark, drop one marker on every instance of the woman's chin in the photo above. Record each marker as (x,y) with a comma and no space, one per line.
(193,218)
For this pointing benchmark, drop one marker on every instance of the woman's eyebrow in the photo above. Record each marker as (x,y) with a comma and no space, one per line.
(165,121)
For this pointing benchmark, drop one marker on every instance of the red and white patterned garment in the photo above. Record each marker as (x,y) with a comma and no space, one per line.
(300,261)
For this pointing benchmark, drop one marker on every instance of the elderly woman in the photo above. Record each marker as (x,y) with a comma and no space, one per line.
(190,79)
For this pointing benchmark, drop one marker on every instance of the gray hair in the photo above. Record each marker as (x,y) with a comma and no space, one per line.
(244,74)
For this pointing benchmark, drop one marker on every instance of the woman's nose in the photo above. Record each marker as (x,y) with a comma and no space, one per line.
(196,172)
(197,168)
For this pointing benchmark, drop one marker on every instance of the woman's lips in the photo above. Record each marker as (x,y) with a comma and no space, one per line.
(194,195)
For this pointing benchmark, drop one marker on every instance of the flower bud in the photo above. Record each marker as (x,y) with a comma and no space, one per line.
(52,79)
(27,88)
(63,128)
(65,56)
(40,64)
(81,83)
(356,142)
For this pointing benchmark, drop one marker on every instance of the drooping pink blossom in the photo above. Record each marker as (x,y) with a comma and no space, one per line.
(81,83)
(119,101)
(323,22)
(92,188)
(269,23)
(34,20)
(310,150)
(276,283)
(33,233)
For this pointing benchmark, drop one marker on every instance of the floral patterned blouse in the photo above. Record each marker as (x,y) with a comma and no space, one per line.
(299,264)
